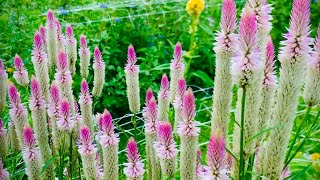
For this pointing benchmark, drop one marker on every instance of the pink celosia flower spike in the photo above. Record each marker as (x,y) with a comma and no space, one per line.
(163,98)
(134,168)
(181,89)
(71,47)
(99,73)
(43,34)
(39,119)
(31,155)
(18,113)
(3,86)
(21,74)
(176,70)
(216,156)
(166,150)
(224,48)
(4,174)
(40,64)
(52,41)
(53,113)
(88,152)
(65,122)
(84,54)
(149,95)
(3,141)
(189,133)
(109,142)
(86,105)
(60,37)
(132,81)
(293,56)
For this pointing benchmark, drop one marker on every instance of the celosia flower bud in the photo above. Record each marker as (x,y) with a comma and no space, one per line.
(99,73)
(163,98)
(150,115)
(71,47)
(149,95)
(176,70)
(53,113)
(4,174)
(60,37)
(40,63)
(21,74)
(65,121)
(109,143)
(181,89)
(3,141)
(86,105)
(269,74)
(132,81)
(3,86)
(84,54)
(52,41)
(36,101)
(134,168)
(88,152)
(31,155)
(166,149)
(43,34)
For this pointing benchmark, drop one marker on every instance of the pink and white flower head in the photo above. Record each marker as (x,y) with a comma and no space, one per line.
(165,145)
(4,174)
(14,96)
(65,121)
(38,47)
(50,20)
(43,34)
(84,54)
(150,114)
(37,101)
(226,38)
(85,143)
(164,88)
(54,101)
(30,151)
(63,75)
(285,173)
(163,98)
(181,89)
(188,127)
(21,74)
(60,37)
(99,73)
(200,170)
(85,97)
(131,59)
(262,11)
(71,47)
(149,95)
(106,134)
(246,61)
(269,79)
(134,167)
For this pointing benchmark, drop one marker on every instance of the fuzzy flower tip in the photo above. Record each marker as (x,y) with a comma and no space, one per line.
(181,89)
(62,61)
(165,146)
(85,97)
(269,76)
(99,73)
(54,101)
(65,122)
(228,18)
(149,95)
(106,134)
(14,95)
(195,7)
(131,66)
(83,42)
(38,43)
(30,151)
(164,88)
(134,167)
(43,34)
(37,100)
(21,74)
(69,31)
(178,52)
(85,143)
(150,115)
(188,127)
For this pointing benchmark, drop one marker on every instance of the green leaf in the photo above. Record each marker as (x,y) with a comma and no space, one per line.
(47,164)
(161,67)
(204,77)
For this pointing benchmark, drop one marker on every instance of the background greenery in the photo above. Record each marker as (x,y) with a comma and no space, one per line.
(153,27)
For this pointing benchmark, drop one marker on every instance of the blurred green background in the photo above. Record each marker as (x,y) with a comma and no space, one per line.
(152,27)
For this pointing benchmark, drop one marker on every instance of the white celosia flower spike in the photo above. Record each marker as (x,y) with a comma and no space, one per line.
(99,73)
(163,99)
(84,54)
(71,49)
(3,86)
(21,74)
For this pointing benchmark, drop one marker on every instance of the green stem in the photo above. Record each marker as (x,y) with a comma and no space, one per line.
(134,122)
(297,133)
(70,156)
(61,154)
(194,24)
(250,167)
(243,101)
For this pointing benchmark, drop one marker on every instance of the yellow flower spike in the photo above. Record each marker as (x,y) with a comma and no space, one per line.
(195,7)
(9,70)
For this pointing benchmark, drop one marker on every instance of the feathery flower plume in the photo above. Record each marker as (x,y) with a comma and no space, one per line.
(132,81)
(12,137)
(4,174)
(189,133)
(3,86)
(65,121)
(99,73)
(39,119)
(18,113)
(109,142)
(151,123)
(31,155)
(293,57)
(64,80)
(52,41)
(43,34)
(3,141)
(84,54)
(216,156)
(178,103)
(40,64)
(134,168)
(60,37)
(21,74)
(53,113)
(312,87)
(166,149)
(86,105)
(176,70)
(195,7)
(163,98)
(71,47)
(87,150)
(224,48)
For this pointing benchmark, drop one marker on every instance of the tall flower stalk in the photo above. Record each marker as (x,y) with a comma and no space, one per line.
(3,141)
(134,167)
(3,86)
(189,133)
(99,73)
(71,49)
(21,74)
(60,37)
(293,57)
(39,119)
(132,81)
(53,113)
(224,48)
(12,137)
(52,44)
(109,142)
(84,54)
(176,70)
(178,103)
(163,99)
(86,106)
